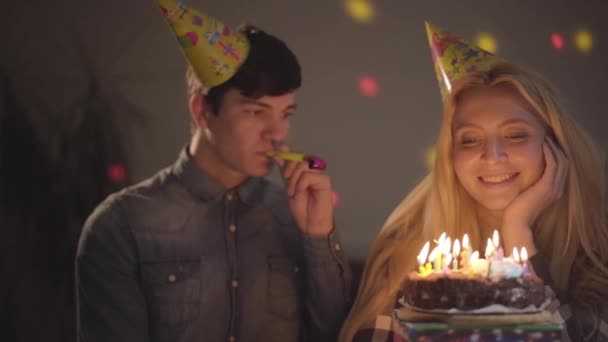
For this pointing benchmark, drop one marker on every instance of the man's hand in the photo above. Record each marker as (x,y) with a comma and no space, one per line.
(309,193)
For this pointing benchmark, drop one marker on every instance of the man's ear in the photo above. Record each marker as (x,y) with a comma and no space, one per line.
(198,110)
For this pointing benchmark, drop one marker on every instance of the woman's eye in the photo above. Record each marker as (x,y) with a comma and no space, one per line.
(517,136)
(468,141)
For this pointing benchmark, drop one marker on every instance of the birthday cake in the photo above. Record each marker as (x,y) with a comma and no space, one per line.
(452,280)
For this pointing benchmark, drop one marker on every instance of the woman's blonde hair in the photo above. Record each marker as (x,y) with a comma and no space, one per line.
(572,233)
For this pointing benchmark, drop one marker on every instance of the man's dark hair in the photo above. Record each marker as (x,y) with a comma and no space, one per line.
(270,69)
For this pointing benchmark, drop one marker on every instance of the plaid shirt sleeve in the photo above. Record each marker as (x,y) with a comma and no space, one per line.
(561,311)
(383,329)
(561,314)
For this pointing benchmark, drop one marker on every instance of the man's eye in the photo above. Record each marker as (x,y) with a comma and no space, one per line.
(253,111)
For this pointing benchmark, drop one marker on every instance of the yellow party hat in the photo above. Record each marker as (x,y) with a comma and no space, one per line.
(455,57)
(213,49)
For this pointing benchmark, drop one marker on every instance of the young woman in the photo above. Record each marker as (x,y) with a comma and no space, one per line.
(510,158)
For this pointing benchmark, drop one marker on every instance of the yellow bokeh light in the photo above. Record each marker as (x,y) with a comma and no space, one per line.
(487,42)
(429,157)
(583,40)
(360,10)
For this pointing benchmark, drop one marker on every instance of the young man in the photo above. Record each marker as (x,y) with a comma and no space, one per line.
(207,249)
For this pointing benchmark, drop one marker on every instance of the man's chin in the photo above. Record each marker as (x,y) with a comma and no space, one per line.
(261,171)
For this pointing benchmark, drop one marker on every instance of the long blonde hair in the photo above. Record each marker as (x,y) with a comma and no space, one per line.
(572,233)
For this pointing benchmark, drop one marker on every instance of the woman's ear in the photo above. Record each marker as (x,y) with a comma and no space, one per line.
(198,110)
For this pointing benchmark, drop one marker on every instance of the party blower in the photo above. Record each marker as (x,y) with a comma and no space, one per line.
(314,162)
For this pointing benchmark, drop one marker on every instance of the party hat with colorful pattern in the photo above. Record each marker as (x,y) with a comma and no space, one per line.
(455,57)
(212,48)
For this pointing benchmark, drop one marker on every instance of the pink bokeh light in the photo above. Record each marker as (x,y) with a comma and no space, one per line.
(368,86)
(117,172)
(558,42)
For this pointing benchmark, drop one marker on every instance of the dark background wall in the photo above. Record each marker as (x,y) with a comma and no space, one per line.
(93,99)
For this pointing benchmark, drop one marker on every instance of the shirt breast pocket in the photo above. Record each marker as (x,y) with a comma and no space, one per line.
(173,290)
(283,287)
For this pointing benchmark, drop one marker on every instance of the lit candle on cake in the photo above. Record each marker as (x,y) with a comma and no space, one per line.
(447,246)
(456,252)
(428,268)
(473,261)
(466,252)
(422,257)
(438,260)
(489,249)
(495,239)
(441,239)
(515,255)
(445,251)
(435,258)
(497,248)
(524,260)
(474,257)
(446,263)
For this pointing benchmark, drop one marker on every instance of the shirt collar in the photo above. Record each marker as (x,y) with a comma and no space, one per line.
(206,188)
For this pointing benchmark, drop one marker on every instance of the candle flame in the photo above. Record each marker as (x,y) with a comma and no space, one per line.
(456,249)
(515,255)
(465,241)
(447,245)
(489,248)
(448,259)
(495,239)
(423,253)
(474,257)
(433,255)
(441,239)
(524,254)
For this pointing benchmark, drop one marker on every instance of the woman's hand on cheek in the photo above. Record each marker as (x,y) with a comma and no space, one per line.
(521,214)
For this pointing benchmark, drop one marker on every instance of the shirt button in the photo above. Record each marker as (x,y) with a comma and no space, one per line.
(235,284)
(231,339)
(337,247)
(232,228)
(171,278)
(296,269)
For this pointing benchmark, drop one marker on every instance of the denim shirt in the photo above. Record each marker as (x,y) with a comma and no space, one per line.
(179,258)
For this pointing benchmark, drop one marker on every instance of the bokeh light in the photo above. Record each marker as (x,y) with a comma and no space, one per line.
(429,157)
(558,42)
(583,39)
(487,42)
(360,10)
(368,86)
(117,173)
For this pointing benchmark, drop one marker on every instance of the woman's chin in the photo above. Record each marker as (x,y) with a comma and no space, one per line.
(496,204)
